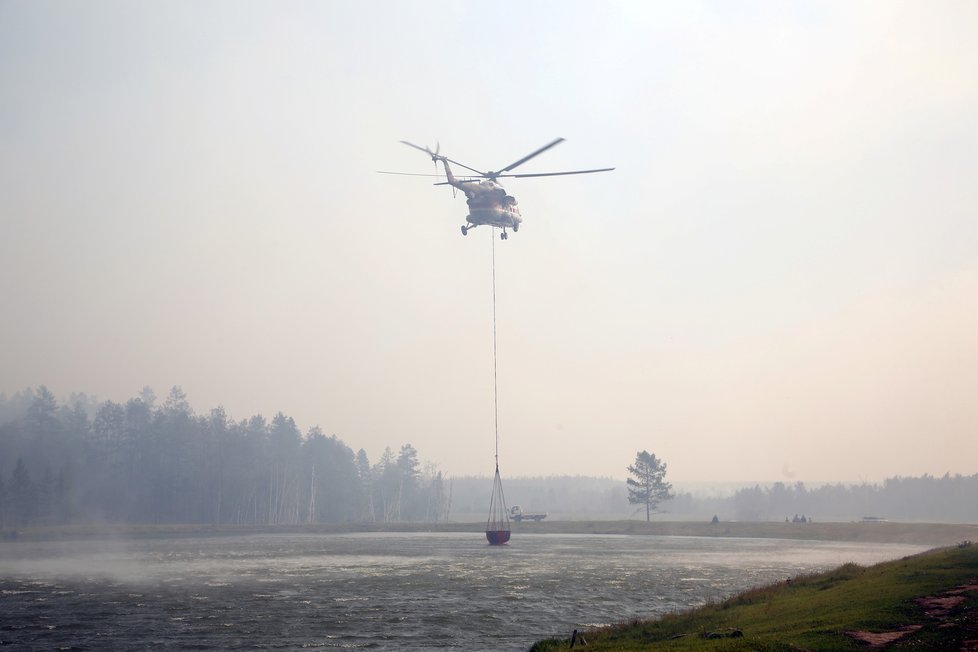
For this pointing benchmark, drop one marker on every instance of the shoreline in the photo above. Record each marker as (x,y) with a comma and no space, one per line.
(929,534)
(928,600)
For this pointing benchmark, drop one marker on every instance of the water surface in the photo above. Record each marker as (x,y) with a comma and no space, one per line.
(377,590)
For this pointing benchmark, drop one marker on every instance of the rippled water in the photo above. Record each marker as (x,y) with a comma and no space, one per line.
(382,591)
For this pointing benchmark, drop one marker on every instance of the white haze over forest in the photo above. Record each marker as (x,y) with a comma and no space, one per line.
(778,282)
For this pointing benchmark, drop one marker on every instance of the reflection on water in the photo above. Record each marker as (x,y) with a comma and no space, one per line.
(382,591)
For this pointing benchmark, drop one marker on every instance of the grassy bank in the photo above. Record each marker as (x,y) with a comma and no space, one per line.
(928,602)
(926,534)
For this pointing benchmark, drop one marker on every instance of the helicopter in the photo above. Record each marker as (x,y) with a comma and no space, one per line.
(487,200)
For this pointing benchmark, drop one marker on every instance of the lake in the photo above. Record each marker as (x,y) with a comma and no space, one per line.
(405,591)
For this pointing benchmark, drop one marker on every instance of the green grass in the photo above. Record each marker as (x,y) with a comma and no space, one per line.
(812,612)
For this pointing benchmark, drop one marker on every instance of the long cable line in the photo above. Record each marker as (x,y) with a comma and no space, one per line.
(497,528)
(495,389)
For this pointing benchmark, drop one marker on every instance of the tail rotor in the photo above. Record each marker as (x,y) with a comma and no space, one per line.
(435,158)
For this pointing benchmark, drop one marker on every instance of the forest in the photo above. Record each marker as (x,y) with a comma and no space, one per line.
(925,499)
(145,461)
(139,462)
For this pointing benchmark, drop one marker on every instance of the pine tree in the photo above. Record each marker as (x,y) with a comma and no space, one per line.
(647,486)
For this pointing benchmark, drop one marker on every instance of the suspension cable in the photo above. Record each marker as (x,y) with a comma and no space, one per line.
(495,389)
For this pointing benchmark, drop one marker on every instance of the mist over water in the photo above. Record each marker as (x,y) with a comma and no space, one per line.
(383,591)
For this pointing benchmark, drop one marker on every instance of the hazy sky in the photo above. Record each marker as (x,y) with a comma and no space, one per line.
(778,282)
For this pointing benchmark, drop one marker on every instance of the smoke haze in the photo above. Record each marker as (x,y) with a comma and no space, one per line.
(779,280)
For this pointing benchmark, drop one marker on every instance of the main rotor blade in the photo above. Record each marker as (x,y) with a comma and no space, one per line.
(418,147)
(408,174)
(436,156)
(463,165)
(529,156)
(555,174)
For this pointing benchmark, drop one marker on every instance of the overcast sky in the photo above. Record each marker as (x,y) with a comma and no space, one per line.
(778,282)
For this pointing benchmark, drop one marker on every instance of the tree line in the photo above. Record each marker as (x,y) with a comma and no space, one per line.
(927,498)
(145,462)
(139,462)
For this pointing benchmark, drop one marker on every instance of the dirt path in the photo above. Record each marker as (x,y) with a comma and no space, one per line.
(957,623)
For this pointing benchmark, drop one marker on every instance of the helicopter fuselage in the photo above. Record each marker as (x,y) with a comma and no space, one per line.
(488,203)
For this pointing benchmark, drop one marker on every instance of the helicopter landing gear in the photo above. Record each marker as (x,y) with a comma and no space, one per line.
(465,231)
(503,236)
(516,227)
